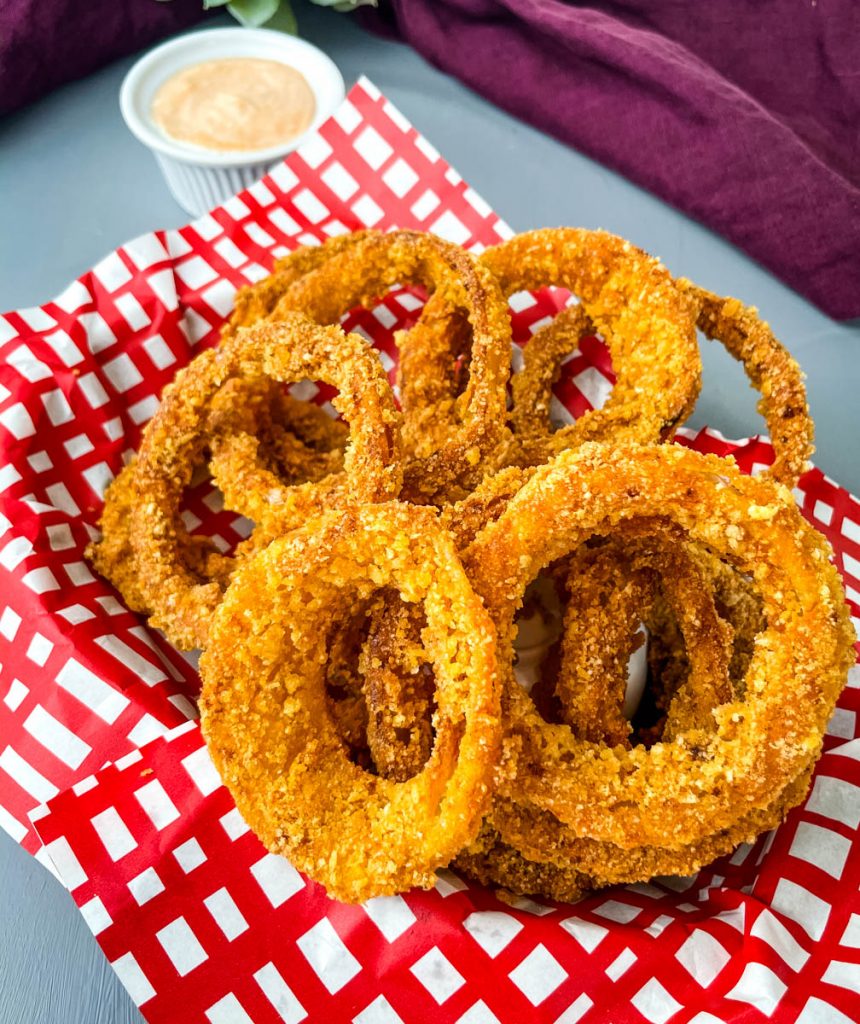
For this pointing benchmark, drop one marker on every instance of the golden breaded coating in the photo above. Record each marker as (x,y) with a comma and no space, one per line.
(264,713)
(464,426)
(174,444)
(611,590)
(648,323)
(701,781)
(359,694)
(771,370)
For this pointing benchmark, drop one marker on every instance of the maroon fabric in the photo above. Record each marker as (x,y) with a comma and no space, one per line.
(744,114)
(44,43)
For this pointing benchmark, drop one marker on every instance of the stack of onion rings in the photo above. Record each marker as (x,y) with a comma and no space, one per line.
(359,695)
(451,429)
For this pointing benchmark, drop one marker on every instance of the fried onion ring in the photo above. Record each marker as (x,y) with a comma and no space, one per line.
(264,444)
(611,590)
(548,859)
(297,437)
(699,783)
(396,685)
(264,715)
(398,690)
(736,604)
(256,302)
(475,418)
(279,439)
(648,323)
(771,371)
(175,439)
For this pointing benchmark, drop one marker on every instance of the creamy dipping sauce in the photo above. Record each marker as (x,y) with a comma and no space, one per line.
(239,103)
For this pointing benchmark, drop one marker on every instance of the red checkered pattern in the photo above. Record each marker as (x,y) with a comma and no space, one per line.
(83,680)
(199,922)
(176,888)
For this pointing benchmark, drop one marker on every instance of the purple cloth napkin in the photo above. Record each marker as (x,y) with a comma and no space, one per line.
(745,115)
(44,43)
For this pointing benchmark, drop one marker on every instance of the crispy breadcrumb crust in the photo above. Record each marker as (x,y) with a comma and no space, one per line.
(266,723)
(701,782)
(359,698)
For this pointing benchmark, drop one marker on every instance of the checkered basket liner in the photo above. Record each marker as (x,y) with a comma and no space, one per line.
(103,772)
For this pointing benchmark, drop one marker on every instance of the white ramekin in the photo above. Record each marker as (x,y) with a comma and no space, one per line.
(202,178)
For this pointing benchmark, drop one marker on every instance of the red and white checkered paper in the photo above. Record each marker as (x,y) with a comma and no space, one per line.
(198,921)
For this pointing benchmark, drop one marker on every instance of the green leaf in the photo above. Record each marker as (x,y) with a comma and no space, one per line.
(345,5)
(253,13)
(209,4)
(283,20)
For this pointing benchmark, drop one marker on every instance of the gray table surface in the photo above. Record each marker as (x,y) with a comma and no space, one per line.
(74,184)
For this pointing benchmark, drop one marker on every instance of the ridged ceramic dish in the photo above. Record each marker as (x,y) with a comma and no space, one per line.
(203,178)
